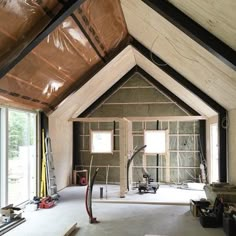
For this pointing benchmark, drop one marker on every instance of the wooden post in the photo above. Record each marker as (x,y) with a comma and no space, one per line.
(125,148)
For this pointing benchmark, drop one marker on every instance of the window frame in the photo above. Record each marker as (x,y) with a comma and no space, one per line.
(4,144)
(146,150)
(110,132)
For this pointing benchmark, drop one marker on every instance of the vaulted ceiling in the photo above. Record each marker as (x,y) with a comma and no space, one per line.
(62,56)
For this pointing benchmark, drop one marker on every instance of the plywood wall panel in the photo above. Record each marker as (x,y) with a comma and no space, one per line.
(232,147)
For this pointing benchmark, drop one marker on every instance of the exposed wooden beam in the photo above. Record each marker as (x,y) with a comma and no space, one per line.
(95,119)
(143,118)
(87,36)
(167,118)
(136,103)
(195,31)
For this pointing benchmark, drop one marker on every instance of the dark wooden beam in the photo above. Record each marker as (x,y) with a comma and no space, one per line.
(195,31)
(76,144)
(177,76)
(68,8)
(87,36)
(222,127)
(202,146)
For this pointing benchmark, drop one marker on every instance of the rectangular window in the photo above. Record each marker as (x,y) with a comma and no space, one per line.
(3,162)
(21,155)
(155,141)
(18,156)
(101,141)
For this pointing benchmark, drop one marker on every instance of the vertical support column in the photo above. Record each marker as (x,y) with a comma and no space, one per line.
(223,122)
(129,151)
(202,133)
(167,156)
(202,143)
(194,147)
(123,157)
(178,173)
(157,157)
(125,148)
(76,144)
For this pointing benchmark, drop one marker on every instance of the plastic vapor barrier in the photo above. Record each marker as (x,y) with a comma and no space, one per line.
(21,21)
(46,75)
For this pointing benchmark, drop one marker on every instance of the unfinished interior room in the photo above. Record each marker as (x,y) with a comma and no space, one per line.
(117,117)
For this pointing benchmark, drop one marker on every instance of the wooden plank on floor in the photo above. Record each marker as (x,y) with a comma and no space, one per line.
(70,229)
(122,201)
(154,235)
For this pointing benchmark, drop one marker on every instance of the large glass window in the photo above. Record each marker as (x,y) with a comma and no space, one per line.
(19,159)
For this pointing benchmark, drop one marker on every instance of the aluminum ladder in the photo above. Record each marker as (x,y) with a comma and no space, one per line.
(50,171)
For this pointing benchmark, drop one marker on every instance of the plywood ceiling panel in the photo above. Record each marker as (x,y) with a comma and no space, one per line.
(218,17)
(182,53)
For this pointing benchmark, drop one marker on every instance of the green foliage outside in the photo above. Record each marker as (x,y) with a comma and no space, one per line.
(21,131)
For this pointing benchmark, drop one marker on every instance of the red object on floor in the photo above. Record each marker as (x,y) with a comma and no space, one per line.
(83,181)
(46,203)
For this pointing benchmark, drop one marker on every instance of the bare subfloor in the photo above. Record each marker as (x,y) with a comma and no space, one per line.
(115,219)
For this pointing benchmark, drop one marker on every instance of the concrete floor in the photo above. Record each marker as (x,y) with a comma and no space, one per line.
(115,219)
(167,194)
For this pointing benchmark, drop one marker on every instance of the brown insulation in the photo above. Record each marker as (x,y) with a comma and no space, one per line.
(50,70)
(21,21)
(68,50)
(104,23)
(52,67)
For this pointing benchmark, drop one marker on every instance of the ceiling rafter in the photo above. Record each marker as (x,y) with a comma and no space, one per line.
(87,36)
(195,31)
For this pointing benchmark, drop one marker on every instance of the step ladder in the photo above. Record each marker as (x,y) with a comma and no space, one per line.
(50,171)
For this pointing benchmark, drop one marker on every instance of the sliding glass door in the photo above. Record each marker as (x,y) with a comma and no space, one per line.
(19,160)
